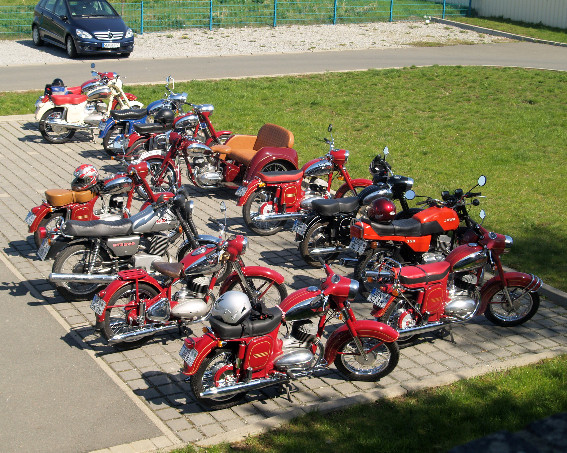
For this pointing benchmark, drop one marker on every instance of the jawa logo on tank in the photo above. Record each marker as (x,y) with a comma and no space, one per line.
(452,219)
(123,244)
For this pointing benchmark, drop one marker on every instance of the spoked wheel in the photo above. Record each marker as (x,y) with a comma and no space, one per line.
(346,192)
(316,245)
(275,166)
(51,223)
(398,316)
(261,202)
(266,290)
(381,359)
(54,133)
(216,372)
(122,315)
(76,259)
(160,181)
(502,313)
(370,260)
(108,140)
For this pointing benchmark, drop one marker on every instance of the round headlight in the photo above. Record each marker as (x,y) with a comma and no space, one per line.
(244,245)
(353,290)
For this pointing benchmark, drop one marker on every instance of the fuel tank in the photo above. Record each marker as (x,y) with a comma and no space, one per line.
(467,257)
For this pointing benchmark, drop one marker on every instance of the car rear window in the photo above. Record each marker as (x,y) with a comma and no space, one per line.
(90,8)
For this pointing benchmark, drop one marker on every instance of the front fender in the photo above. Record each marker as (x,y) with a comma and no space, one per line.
(355,183)
(366,328)
(520,279)
(252,271)
(269,154)
(204,345)
(250,189)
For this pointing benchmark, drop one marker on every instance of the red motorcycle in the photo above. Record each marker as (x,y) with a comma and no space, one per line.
(242,350)
(419,299)
(272,198)
(237,161)
(428,236)
(136,306)
(115,193)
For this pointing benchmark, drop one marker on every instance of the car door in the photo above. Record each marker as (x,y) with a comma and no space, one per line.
(60,21)
(45,18)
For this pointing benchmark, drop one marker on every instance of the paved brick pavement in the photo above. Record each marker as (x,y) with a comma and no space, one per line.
(152,373)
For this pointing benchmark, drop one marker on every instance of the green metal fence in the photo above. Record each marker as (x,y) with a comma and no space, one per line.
(160,15)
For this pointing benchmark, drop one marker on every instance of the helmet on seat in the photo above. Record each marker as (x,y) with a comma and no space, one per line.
(57,83)
(232,307)
(381,210)
(86,176)
(164,116)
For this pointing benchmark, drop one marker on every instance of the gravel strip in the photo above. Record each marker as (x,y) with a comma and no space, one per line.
(262,40)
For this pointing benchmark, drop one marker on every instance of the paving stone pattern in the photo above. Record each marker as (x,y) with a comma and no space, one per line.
(152,372)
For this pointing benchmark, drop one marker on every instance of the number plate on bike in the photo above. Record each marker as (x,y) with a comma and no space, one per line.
(98,305)
(30,218)
(43,249)
(240,191)
(299,227)
(357,245)
(188,355)
(378,298)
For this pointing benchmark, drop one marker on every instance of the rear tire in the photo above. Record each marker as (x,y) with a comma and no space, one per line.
(270,295)
(54,134)
(381,361)
(316,236)
(369,261)
(170,180)
(258,200)
(36,37)
(115,131)
(50,223)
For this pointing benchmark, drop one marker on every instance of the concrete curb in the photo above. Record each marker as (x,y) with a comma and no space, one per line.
(490,31)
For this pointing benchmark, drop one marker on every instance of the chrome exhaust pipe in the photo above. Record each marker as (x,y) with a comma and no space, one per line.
(141,333)
(348,262)
(82,278)
(243,387)
(325,250)
(62,123)
(278,217)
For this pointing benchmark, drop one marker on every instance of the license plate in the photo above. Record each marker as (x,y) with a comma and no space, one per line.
(110,45)
(188,355)
(98,305)
(240,191)
(357,245)
(43,249)
(378,298)
(30,218)
(299,227)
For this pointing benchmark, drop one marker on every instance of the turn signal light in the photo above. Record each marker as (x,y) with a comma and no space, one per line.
(205,330)
(373,244)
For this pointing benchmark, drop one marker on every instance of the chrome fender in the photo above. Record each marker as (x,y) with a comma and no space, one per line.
(367,328)
(253,271)
(529,282)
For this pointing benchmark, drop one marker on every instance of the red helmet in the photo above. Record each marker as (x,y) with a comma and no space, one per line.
(86,176)
(381,210)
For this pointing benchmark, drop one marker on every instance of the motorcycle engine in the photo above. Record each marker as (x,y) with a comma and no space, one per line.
(315,189)
(190,299)
(205,170)
(94,113)
(442,249)
(463,294)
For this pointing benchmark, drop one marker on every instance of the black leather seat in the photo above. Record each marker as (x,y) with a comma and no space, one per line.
(335,206)
(403,227)
(151,128)
(248,328)
(128,114)
(98,228)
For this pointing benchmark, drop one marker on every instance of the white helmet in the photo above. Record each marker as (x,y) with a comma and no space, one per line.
(232,307)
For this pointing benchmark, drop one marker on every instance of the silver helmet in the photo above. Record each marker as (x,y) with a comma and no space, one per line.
(232,307)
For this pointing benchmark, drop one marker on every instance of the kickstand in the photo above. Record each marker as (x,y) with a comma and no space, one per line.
(450,330)
(287,387)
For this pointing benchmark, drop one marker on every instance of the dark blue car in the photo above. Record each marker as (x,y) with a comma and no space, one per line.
(81,27)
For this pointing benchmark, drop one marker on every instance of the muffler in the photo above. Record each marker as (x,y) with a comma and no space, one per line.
(326,250)
(65,124)
(243,387)
(278,217)
(82,278)
(145,331)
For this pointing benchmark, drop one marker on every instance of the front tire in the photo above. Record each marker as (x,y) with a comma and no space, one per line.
(70,47)
(524,306)
(268,292)
(397,316)
(54,134)
(382,358)
(345,192)
(108,140)
(75,259)
(317,236)
(261,201)
(171,182)
(216,371)
(370,260)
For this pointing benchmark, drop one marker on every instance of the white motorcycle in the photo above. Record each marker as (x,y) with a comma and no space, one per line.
(62,113)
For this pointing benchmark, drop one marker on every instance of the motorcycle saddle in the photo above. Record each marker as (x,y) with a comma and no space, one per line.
(173,270)
(335,206)
(248,328)
(151,128)
(128,114)
(407,227)
(97,228)
(63,99)
(62,197)
(419,276)
(277,177)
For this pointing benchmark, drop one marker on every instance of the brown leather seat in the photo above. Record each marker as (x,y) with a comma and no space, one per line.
(62,197)
(242,148)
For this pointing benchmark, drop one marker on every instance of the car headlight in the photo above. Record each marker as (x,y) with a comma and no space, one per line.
(83,34)
(129,33)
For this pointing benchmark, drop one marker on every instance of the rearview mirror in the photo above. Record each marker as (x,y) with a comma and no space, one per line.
(482,180)
(410,195)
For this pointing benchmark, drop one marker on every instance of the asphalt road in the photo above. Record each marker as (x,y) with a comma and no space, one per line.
(520,54)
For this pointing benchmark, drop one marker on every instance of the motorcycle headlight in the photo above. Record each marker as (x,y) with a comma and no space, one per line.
(244,245)
(83,34)
(129,33)
(353,290)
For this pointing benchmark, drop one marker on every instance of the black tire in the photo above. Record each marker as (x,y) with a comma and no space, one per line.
(524,306)
(369,260)
(383,359)
(70,47)
(50,222)
(136,149)
(252,208)
(36,37)
(204,379)
(396,316)
(170,184)
(74,259)
(316,236)
(271,292)
(350,193)
(277,166)
(115,131)
(54,134)
(116,319)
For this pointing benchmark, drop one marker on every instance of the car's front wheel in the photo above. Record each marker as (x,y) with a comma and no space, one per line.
(70,46)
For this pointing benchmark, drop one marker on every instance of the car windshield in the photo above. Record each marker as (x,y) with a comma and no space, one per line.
(90,8)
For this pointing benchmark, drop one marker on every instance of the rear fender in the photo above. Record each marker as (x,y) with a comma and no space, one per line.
(131,97)
(529,282)
(268,154)
(360,182)
(40,111)
(252,271)
(204,345)
(250,189)
(366,328)
(108,124)
(42,211)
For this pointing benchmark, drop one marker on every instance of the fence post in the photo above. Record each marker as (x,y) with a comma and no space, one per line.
(335,13)
(210,14)
(142,17)
(470,8)
(275,13)
(391,10)
(444,5)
